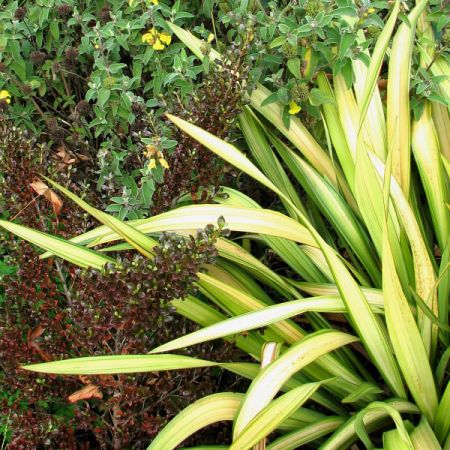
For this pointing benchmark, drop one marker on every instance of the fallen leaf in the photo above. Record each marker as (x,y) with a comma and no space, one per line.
(39,187)
(64,156)
(56,202)
(85,393)
(42,189)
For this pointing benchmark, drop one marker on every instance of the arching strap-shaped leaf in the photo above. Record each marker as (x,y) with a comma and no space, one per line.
(237,302)
(194,44)
(294,255)
(272,416)
(423,436)
(76,254)
(269,381)
(229,250)
(376,61)
(402,435)
(374,296)
(372,418)
(190,218)
(211,409)
(427,154)
(334,207)
(398,120)
(309,433)
(392,440)
(369,328)
(225,150)
(442,425)
(254,320)
(302,139)
(296,133)
(406,340)
(424,273)
(266,158)
(100,365)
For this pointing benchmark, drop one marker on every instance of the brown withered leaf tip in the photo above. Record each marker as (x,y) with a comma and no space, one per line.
(42,189)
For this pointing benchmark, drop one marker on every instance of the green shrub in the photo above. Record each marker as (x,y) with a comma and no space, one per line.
(83,75)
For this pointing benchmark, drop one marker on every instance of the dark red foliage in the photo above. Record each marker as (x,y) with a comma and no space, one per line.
(49,315)
(30,331)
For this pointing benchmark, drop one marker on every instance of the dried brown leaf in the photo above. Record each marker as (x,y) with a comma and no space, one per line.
(87,392)
(42,189)
(39,187)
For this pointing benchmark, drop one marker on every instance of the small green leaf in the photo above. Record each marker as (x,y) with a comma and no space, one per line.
(280,40)
(103,96)
(270,99)
(347,41)
(294,67)
(54,29)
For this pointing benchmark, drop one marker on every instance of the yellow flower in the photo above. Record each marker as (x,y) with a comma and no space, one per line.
(164,163)
(371,10)
(156,40)
(158,45)
(166,38)
(152,163)
(155,2)
(5,95)
(210,38)
(150,37)
(294,108)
